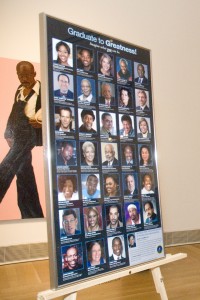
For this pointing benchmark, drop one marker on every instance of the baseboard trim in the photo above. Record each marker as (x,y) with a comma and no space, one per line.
(39,251)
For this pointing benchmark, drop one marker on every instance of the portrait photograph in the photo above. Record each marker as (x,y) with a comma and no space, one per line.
(106,64)
(89,151)
(143,128)
(130,184)
(70,222)
(141,74)
(123,69)
(116,248)
(66,153)
(90,184)
(150,211)
(96,255)
(72,257)
(109,154)
(111,184)
(62,53)
(85,59)
(125,97)
(142,101)
(87,121)
(145,155)
(86,91)
(132,211)
(67,189)
(65,118)
(93,218)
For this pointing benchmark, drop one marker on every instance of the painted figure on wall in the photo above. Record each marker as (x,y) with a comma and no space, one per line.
(23,132)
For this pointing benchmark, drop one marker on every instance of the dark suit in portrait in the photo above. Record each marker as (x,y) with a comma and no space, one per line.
(68,95)
(141,80)
(115,162)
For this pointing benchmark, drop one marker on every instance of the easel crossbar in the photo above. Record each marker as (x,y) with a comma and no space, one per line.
(72,289)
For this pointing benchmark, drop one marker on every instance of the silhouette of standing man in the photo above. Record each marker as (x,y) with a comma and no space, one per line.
(23,132)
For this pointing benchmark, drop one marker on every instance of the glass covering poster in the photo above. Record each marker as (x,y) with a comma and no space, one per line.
(104,177)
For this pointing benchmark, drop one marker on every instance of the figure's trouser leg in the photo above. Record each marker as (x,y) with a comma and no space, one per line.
(28,198)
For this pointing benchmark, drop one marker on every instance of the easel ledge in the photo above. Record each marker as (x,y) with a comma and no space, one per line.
(72,290)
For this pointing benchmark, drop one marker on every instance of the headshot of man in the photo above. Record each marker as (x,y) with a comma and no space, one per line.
(117,248)
(85,60)
(88,118)
(134,216)
(88,154)
(131,189)
(113,214)
(131,241)
(124,72)
(111,185)
(111,160)
(144,130)
(90,190)
(69,223)
(67,187)
(151,216)
(107,98)
(142,101)
(107,128)
(65,156)
(63,91)
(86,89)
(63,53)
(147,183)
(141,79)
(125,97)
(127,127)
(65,116)
(145,156)
(128,158)
(72,259)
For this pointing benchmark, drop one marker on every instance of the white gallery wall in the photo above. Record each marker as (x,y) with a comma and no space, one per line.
(171,29)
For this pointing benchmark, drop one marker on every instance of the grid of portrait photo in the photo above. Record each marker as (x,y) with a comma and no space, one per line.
(105,168)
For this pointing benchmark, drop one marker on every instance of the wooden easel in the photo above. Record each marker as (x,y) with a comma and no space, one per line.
(71,291)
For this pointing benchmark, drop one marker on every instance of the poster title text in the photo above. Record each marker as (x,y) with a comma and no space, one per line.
(108,43)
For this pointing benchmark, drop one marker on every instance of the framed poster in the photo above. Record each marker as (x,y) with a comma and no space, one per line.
(102,188)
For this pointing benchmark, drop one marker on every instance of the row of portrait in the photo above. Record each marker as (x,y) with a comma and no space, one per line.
(100,251)
(108,94)
(114,217)
(103,123)
(89,187)
(87,60)
(93,154)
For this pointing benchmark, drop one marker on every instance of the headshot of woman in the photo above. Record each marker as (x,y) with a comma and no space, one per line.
(105,63)
(145,156)
(63,51)
(88,149)
(93,222)
(67,186)
(125,98)
(95,253)
(144,129)
(111,186)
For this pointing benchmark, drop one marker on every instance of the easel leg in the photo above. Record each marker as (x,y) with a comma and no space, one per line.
(71,297)
(159,283)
